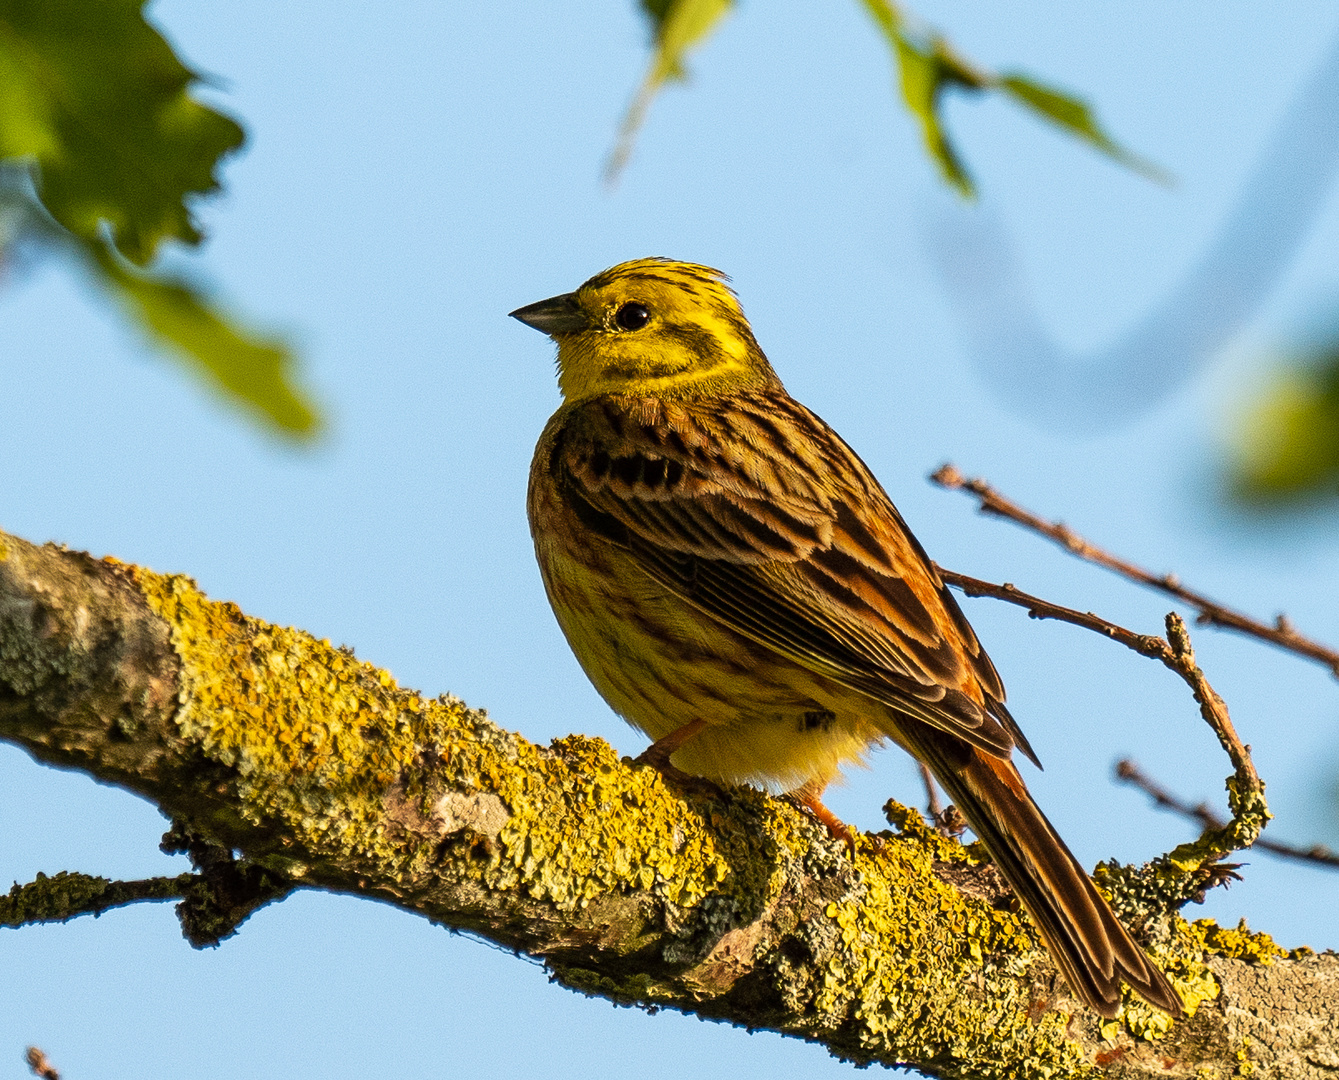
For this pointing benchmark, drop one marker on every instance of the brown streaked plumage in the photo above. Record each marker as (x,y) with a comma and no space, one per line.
(738,586)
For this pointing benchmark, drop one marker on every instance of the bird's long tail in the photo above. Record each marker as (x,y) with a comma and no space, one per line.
(1084,937)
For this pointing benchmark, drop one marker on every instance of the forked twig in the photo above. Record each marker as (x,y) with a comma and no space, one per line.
(947,819)
(1209,612)
(1130,773)
(1246,797)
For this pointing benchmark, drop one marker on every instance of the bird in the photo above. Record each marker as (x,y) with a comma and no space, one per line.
(740,588)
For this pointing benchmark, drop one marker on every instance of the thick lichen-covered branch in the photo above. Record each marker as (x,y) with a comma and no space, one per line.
(292,764)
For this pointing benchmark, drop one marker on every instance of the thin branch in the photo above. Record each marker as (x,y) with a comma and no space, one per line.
(1245,789)
(215,900)
(1209,612)
(933,806)
(948,820)
(66,896)
(1130,773)
(40,1065)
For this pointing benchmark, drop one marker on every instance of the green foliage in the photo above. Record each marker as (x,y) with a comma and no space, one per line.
(677,27)
(96,106)
(247,369)
(1076,117)
(101,107)
(928,66)
(1288,446)
(926,69)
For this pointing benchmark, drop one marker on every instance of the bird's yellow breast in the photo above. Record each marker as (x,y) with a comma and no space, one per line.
(661,663)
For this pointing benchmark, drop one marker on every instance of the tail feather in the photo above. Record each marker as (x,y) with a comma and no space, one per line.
(1086,940)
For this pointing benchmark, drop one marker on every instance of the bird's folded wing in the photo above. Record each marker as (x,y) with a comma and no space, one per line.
(794,545)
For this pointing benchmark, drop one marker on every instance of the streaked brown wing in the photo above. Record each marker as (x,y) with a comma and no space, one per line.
(762,517)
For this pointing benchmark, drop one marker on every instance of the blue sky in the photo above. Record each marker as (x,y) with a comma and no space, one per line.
(417,170)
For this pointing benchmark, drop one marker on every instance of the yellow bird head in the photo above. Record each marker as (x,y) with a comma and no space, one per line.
(651,327)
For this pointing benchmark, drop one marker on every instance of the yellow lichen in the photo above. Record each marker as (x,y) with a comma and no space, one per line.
(1184,961)
(318,738)
(1238,943)
(1145,1022)
(936,972)
(1245,1067)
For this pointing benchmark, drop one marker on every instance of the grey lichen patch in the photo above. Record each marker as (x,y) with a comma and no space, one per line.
(82,661)
(29,658)
(482,813)
(1283,1019)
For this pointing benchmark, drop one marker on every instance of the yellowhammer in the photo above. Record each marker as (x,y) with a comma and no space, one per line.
(739,587)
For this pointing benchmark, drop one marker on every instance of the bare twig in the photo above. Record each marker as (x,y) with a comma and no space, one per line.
(1130,773)
(933,806)
(40,1065)
(947,819)
(1209,612)
(1245,789)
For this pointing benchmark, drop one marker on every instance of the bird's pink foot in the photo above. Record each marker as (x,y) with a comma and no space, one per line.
(837,829)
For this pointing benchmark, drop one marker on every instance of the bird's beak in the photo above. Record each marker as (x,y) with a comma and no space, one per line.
(556,315)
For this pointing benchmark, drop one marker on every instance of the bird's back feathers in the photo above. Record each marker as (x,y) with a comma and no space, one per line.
(789,540)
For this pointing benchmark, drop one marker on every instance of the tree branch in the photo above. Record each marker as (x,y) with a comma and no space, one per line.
(65,896)
(1210,612)
(1246,792)
(318,771)
(1129,773)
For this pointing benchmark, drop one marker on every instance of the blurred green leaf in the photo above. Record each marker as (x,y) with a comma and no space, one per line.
(1076,117)
(252,371)
(1287,448)
(677,27)
(25,122)
(94,96)
(928,66)
(102,151)
(656,11)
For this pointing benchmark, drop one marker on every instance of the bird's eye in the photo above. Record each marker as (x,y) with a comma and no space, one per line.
(632,316)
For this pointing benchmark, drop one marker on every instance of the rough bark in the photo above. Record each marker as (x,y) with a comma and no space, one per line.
(287,763)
